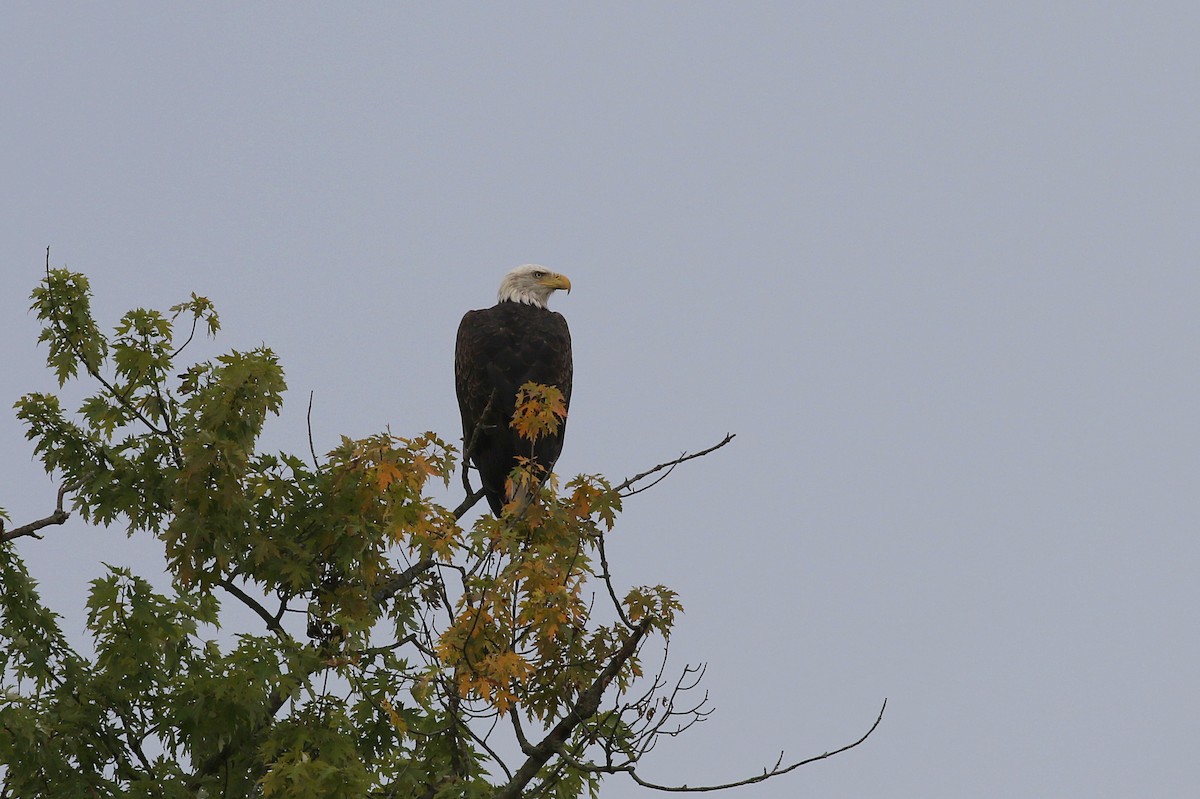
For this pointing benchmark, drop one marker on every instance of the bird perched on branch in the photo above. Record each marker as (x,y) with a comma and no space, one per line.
(518,340)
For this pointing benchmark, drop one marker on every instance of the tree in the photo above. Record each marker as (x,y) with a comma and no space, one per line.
(396,648)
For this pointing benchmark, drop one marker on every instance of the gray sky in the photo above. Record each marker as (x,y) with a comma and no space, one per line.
(934,264)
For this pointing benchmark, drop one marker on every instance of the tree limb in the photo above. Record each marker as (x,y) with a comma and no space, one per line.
(766,775)
(468,503)
(402,580)
(58,517)
(584,709)
(272,622)
(606,575)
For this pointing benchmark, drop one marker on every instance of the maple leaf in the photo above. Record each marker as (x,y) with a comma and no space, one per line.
(386,474)
(398,723)
(540,411)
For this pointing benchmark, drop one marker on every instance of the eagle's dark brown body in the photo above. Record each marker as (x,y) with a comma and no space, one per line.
(499,349)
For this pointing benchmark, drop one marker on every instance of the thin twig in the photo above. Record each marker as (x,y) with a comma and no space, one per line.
(312,450)
(469,447)
(606,575)
(669,466)
(195,320)
(483,743)
(94,371)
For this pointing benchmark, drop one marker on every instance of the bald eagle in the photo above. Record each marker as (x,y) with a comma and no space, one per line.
(499,349)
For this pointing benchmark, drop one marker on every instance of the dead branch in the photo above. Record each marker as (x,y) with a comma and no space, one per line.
(767,774)
(626,488)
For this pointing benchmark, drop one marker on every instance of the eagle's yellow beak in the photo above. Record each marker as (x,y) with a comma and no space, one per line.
(556,281)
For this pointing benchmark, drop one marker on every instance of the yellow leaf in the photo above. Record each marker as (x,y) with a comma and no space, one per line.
(386,474)
(397,722)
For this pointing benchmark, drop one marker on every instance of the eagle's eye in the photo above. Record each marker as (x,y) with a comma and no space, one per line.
(539,274)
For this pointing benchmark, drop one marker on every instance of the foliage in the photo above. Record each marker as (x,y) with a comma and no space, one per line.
(395,646)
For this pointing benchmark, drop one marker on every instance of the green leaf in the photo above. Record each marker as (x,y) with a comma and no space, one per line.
(63,302)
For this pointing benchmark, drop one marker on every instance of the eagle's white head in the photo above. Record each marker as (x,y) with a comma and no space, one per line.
(532,285)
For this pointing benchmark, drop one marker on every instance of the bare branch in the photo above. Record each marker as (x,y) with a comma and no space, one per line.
(272,621)
(766,775)
(467,503)
(606,575)
(58,517)
(492,752)
(191,335)
(626,488)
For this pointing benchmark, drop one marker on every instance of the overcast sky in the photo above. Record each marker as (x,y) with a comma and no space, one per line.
(934,263)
